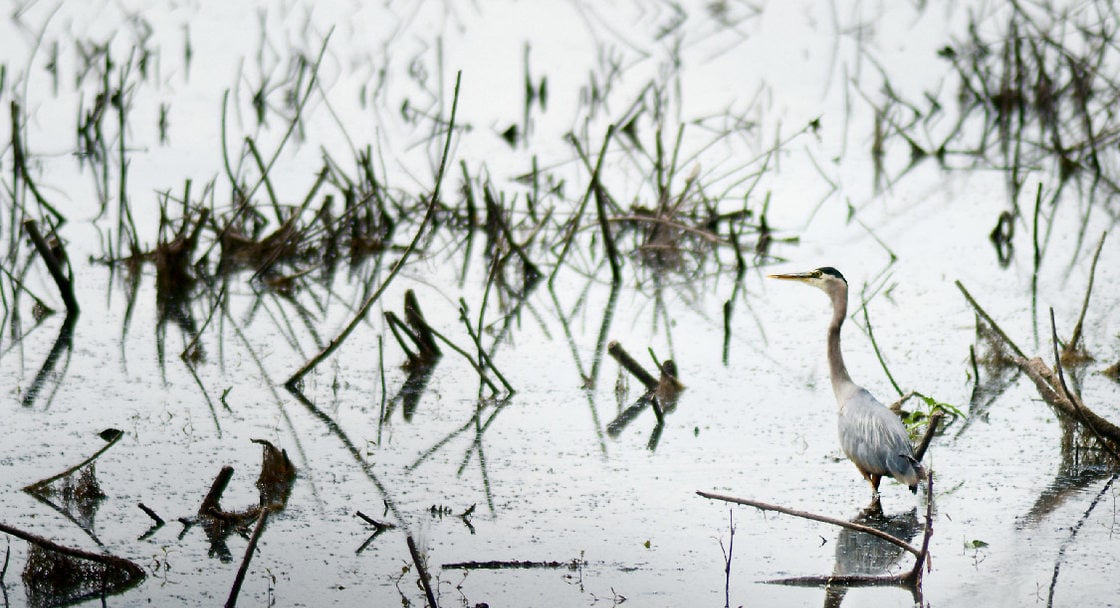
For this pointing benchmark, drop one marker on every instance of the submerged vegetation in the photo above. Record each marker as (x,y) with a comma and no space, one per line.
(369,270)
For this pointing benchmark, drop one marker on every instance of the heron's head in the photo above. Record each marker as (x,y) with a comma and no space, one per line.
(827,279)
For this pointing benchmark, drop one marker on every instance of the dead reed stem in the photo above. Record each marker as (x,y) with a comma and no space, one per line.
(19,166)
(364,309)
(418,559)
(995,326)
(250,549)
(1071,346)
(608,238)
(573,226)
(65,285)
(624,359)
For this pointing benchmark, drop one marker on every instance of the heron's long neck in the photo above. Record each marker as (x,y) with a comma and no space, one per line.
(839,372)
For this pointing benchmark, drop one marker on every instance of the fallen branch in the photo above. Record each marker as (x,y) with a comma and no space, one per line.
(512,565)
(911,579)
(814,517)
(1069,404)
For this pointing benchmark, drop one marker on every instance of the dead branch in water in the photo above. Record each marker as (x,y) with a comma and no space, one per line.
(1054,392)
(1051,381)
(911,579)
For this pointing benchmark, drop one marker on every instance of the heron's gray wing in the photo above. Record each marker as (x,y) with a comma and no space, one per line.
(874,438)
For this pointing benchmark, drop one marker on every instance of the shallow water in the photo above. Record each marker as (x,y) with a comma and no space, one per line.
(546,480)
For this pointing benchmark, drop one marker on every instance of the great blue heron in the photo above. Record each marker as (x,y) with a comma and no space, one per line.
(871,435)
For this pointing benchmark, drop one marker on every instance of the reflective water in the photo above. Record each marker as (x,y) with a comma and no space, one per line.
(1022,514)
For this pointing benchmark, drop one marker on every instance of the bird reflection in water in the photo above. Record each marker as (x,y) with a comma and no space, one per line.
(860,554)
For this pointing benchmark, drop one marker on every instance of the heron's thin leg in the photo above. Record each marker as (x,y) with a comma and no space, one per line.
(875,479)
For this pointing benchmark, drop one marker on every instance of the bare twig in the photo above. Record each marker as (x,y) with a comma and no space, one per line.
(931,429)
(727,559)
(377,525)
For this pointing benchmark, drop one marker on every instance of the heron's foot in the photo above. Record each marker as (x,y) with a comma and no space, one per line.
(875,509)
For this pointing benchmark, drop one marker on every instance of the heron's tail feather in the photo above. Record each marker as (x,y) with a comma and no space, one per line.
(918,469)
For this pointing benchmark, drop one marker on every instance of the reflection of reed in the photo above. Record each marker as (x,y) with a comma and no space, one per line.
(60,576)
(75,492)
(1083,464)
(76,497)
(661,394)
(63,343)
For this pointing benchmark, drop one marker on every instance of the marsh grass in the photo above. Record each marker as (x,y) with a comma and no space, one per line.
(642,201)
(1035,92)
